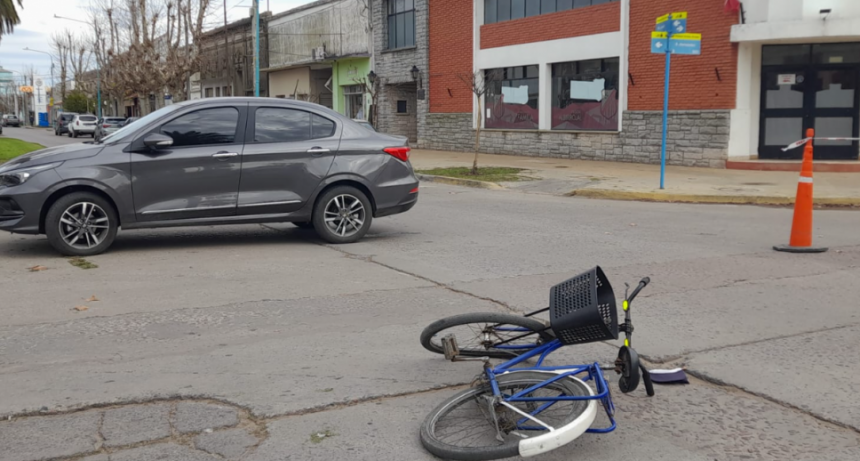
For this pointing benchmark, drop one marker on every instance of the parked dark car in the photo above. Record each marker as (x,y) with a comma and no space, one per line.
(10,120)
(206,162)
(107,126)
(62,122)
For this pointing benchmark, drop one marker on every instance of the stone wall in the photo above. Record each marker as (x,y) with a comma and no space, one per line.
(695,138)
(393,68)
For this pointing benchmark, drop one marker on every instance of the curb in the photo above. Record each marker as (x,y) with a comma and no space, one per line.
(704,198)
(459,181)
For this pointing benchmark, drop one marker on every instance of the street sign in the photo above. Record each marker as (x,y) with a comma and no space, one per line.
(685,44)
(662,23)
(670,38)
(658,42)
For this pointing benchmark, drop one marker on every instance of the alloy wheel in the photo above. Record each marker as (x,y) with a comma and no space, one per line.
(84,225)
(344,215)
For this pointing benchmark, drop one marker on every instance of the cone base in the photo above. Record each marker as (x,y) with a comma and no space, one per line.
(791,249)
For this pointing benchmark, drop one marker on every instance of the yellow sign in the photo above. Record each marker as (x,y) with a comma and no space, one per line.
(687,36)
(660,34)
(26,89)
(664,18)
(681,15)
(50,101)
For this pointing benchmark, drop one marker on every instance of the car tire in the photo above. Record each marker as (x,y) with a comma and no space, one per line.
(304,225)
(70,132)
(342,198)
(74,201)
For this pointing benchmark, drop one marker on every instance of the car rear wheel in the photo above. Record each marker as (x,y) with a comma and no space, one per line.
(342,215)
(81,224)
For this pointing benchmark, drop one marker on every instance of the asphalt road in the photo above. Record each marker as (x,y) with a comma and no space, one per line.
(262,343)
(43,136)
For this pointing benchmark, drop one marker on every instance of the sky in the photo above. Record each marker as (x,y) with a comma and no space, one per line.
(38,23)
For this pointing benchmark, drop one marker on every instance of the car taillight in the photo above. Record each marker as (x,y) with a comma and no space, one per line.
(105,126)
(400,153)
(78,122)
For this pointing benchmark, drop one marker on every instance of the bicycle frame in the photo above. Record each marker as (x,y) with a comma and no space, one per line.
(591,371)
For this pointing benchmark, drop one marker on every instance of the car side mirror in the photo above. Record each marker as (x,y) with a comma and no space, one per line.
(157,141)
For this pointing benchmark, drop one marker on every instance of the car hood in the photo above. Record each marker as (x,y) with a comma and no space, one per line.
(51,155)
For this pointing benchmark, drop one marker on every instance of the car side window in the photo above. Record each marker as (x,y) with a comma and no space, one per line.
(281,125)
(203,127)
(321,127)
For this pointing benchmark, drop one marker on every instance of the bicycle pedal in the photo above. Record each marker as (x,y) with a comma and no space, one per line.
(449,347)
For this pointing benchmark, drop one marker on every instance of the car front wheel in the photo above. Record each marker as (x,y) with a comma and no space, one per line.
(81,224)
(342,215)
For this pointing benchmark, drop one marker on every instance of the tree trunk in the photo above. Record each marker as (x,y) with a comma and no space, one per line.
(477,138)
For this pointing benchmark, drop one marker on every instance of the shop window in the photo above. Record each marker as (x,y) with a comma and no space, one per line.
(506,10)
(512,98)
(401,23)
(585,95)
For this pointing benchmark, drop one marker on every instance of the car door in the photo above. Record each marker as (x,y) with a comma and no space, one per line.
(196,177)
(288,153)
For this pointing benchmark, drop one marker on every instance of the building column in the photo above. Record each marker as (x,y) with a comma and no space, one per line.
(744,122)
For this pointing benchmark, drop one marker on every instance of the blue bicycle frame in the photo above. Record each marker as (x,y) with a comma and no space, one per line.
(591,372)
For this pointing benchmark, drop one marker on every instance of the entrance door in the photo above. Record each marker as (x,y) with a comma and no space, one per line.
(810,87)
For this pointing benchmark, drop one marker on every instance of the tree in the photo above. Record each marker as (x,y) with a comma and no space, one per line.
(76,101)
(480,86)
(9,16)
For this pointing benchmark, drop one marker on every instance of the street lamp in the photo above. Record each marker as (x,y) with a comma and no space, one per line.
(98,67)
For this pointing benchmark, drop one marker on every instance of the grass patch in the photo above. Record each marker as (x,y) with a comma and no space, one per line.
(490,173)
(82,263)
(11,148)
(318,437)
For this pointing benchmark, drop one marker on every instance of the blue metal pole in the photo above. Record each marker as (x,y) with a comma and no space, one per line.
(257,48)
(665,113)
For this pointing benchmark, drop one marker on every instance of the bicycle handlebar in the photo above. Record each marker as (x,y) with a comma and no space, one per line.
(642,284)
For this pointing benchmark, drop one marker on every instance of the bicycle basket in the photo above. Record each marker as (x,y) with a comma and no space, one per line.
(582,309)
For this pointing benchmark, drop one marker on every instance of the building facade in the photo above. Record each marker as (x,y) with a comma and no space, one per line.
(400,63)
(227,60)
(320,52)
(577,79)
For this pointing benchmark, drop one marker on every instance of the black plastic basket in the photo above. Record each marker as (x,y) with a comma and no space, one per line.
(582,309)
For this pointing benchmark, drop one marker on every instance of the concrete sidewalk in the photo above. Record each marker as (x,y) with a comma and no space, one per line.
(634,181)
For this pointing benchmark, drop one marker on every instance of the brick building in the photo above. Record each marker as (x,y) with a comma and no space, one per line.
(577,79)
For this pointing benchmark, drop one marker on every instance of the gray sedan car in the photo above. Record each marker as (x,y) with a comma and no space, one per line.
(211,161)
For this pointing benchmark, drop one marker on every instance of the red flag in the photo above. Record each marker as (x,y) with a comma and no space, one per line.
(732,6)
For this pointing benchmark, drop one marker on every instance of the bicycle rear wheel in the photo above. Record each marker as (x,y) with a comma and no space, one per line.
(487,334)
(462,428)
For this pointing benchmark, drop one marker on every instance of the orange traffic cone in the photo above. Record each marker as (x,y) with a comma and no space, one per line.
(801,225)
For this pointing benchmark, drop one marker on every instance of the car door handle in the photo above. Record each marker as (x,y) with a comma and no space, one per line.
(225,155)
(318,150)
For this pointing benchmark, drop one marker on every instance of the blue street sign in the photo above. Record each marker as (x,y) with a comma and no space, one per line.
(662,23)
(685,44)
(658,42)
(678,26)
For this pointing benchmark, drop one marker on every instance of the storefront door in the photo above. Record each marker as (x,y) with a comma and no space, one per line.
(810,86)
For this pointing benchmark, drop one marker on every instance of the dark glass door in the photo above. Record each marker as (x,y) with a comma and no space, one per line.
(804,87)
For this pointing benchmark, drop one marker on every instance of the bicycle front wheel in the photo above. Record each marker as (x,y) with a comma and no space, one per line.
(463,428)
(487,334)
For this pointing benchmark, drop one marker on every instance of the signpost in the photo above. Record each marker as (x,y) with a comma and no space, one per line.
(671,37)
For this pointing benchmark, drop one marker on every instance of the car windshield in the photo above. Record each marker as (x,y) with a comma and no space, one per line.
(120,133)
(87,118)
(114,120)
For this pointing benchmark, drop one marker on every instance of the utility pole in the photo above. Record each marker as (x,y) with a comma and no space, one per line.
(257,48)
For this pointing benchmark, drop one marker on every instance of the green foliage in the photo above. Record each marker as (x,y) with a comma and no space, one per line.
(76,101)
